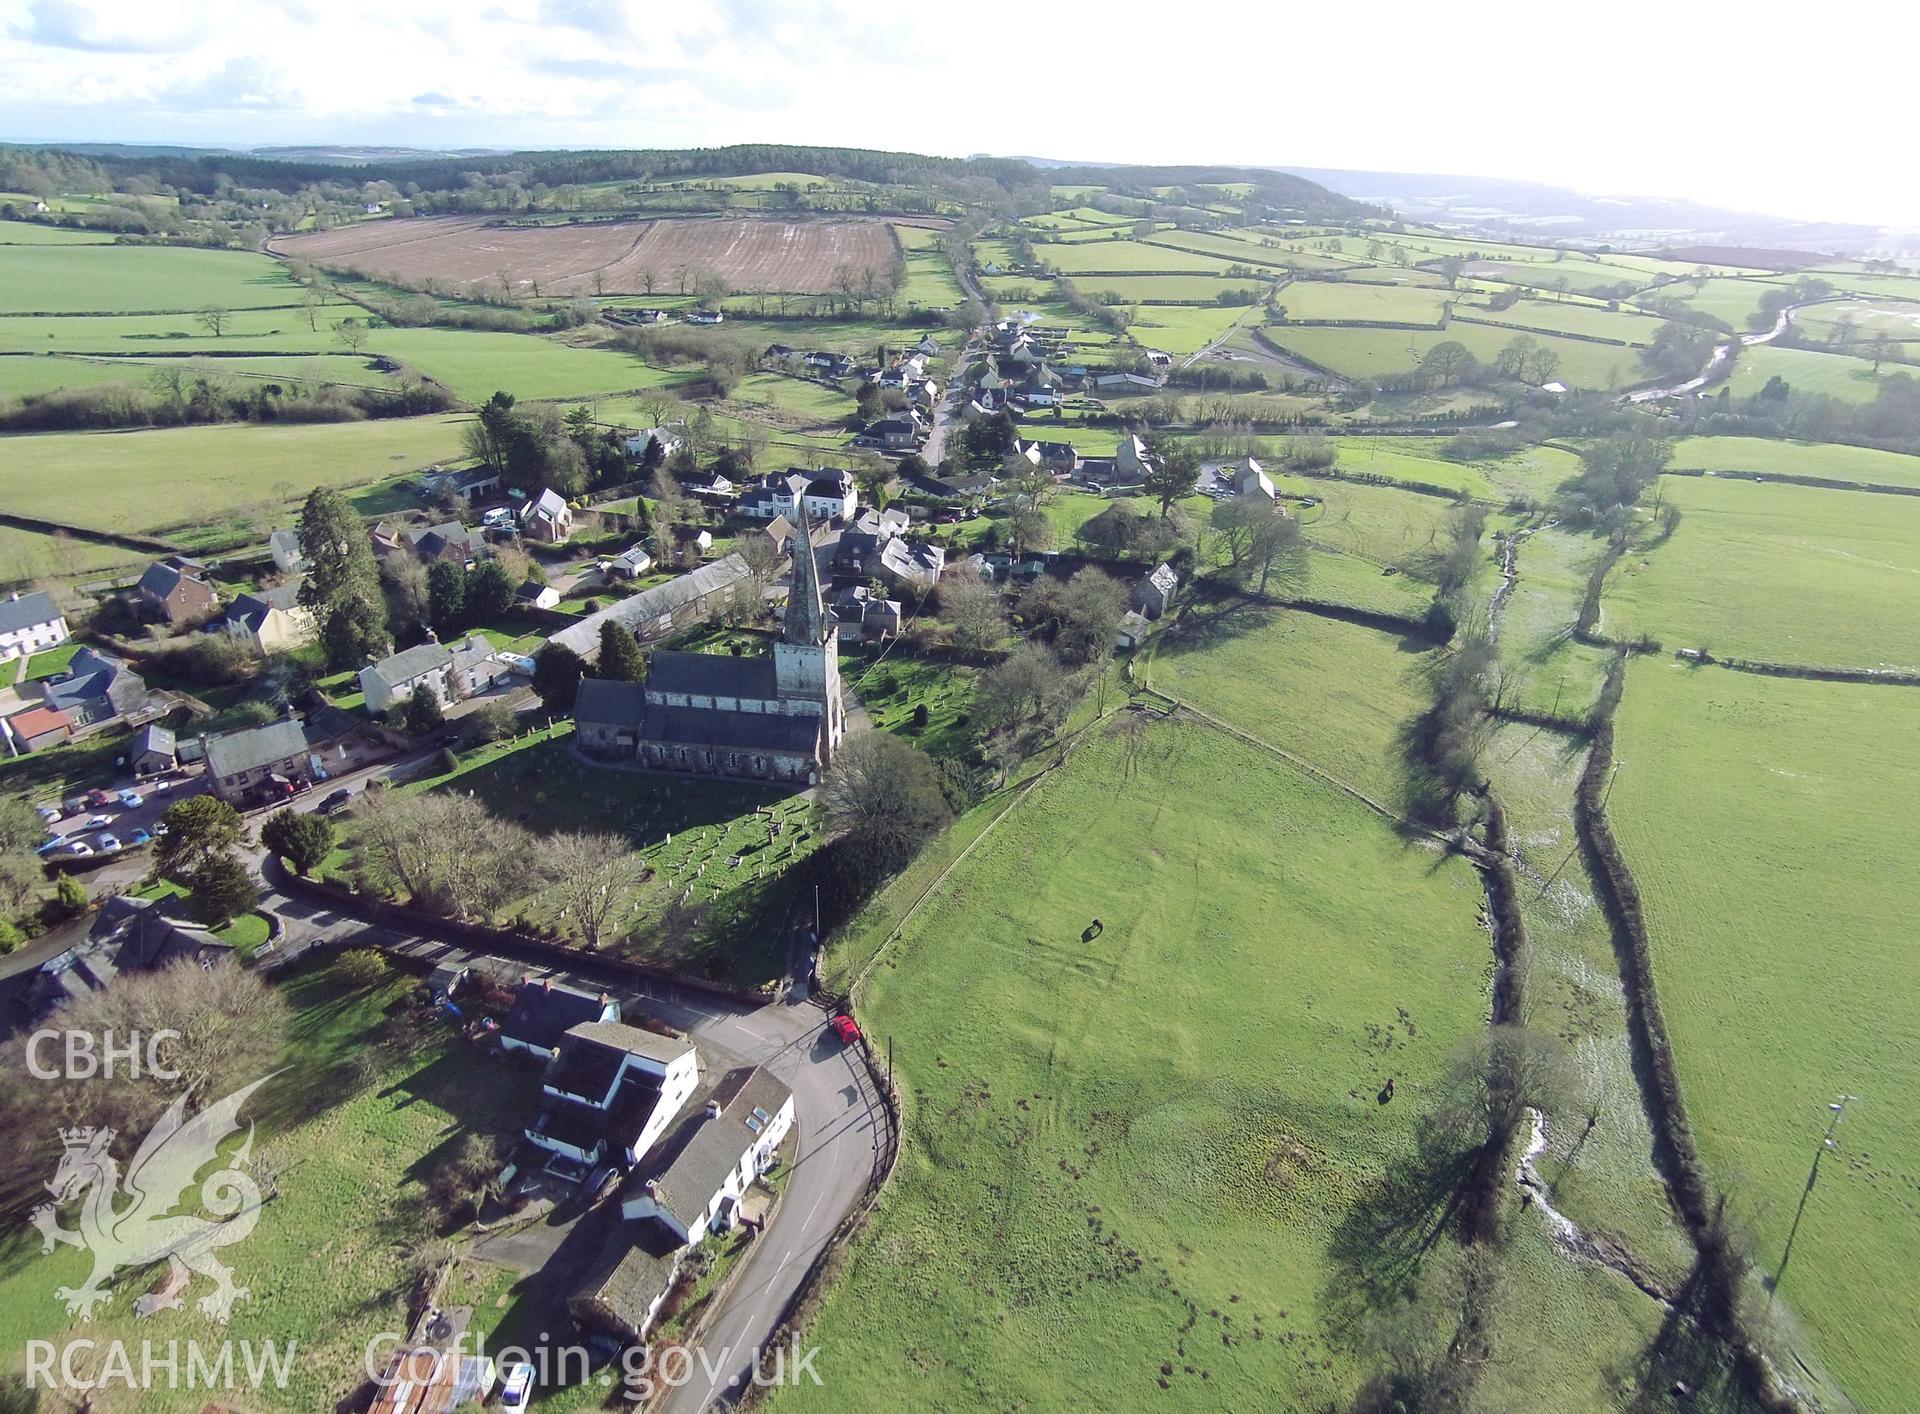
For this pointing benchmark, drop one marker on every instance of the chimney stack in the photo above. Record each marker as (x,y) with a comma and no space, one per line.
(549,984)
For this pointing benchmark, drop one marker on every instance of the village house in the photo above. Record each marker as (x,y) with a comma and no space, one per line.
(390,682)
(547,518)
(1153,593)
(609,1092)
(1249,478)
(705,316)
(544,1011)
(29,624)
(777,718)
(259,764)
(861,616)
(828,494)
(691,1186)
(288,558)
(899,563)
(681,603)
(127,935)
(175,591)
(95,688)
(902,433)
(271,620)
(670,438)
(36,729)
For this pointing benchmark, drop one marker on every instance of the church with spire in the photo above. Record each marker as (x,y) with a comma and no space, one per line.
(774,718)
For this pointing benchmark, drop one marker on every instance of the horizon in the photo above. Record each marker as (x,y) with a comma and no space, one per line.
(533,75)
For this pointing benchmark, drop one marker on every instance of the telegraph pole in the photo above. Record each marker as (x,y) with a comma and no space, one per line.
(1838,1111)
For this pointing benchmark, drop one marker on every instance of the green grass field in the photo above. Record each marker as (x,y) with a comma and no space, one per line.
(1896,318)
(1564,316)
(31,233)
(248,331)
(158,478)
(1782,573)
(1733,300)
(1331,692)
(1767,822)
(329,1262)
(1126,257)
(1345,301)
(1837,375)
(1410,459)
(1149,1138)
(1177,289)
(1372,353)
(1180,331)
(473,365)
(72,278)
(1837,463)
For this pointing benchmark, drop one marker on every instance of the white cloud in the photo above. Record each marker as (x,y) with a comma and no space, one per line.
(1637,97)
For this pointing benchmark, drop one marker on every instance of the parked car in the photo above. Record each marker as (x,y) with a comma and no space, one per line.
(338,800)
(515,1386)
(132,799)
(53,846)
(109,843)
(139,837)
(97,798)
(846,1028)
(73,805)
(99,822)
(47,813)
(80,848)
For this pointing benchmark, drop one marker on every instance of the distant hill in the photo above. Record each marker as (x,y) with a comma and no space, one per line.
(1506,206)
(1285,192)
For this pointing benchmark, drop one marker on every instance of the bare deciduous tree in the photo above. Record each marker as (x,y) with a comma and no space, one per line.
(594,876)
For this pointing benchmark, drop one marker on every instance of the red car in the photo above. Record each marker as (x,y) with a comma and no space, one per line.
(846,1028)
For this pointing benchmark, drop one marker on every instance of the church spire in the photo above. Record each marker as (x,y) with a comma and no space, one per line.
(806,613)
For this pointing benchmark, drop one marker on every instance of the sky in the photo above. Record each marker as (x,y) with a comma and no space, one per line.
(1671,98)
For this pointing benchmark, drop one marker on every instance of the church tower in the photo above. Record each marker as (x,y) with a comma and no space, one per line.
(806,661)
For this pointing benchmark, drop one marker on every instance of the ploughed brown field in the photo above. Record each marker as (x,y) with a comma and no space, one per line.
(465,254)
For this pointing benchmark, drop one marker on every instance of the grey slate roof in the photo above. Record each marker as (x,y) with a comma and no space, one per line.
(623,1039)
(740,731)
(711,674)
(252,609)
(584,637)
(255,747)
(153,738)
(542,1014)
(708,1146)
(606,702)
(27,611)
(410,663)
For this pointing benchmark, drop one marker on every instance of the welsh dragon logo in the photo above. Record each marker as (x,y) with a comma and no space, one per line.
(136,1234)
